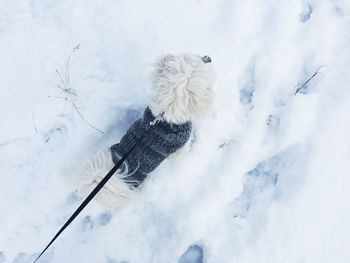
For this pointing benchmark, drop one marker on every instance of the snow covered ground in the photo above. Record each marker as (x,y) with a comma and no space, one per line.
(268,179)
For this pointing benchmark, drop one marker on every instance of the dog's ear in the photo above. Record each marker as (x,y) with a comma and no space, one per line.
(164,62)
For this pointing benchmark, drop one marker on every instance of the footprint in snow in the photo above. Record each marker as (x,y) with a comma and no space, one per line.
(261,183)
(101,220)
(194,254)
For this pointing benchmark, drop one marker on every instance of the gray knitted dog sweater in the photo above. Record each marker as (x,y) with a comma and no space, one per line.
(159,142)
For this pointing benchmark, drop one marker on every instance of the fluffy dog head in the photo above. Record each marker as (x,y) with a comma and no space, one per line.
(182,87)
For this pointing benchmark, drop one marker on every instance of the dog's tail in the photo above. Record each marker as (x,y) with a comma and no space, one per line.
(115,192)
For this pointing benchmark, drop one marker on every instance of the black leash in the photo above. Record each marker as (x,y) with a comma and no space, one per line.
(99,186)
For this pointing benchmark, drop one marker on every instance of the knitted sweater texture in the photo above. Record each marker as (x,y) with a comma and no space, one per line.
(159,142)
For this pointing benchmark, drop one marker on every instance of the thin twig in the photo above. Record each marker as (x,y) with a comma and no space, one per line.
(33,118)
(299,87)
(60,76)
(65,80)
(67,64)
(57,97)
(69,92)
(81,116)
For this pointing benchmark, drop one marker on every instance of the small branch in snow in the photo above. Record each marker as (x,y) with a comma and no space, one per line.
(60,76)
(69,93)
(65,80)
(58,97)
(33,118)
(299,87)
(82,117)
(66,75)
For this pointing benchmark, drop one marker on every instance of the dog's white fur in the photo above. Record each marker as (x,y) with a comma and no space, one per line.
(115,191)
(182,87)
(181,91)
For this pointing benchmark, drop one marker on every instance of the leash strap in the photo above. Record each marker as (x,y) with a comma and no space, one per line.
(100,185)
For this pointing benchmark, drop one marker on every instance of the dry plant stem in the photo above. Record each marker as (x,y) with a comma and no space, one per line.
(57,97)
(33,118)
(65,80)
(82,117)
(59,75)
(69,91)
(67,63)
(299,87)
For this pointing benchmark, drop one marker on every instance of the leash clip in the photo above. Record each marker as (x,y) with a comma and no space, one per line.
(156,119)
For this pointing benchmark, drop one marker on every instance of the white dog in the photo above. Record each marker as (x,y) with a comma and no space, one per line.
(181,92)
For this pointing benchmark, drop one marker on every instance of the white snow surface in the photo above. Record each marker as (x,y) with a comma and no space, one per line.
(267,179)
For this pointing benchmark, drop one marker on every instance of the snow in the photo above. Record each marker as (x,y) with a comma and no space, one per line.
(267,179)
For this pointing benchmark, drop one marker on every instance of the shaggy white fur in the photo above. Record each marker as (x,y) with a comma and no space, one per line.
(182,87)
(115,192)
